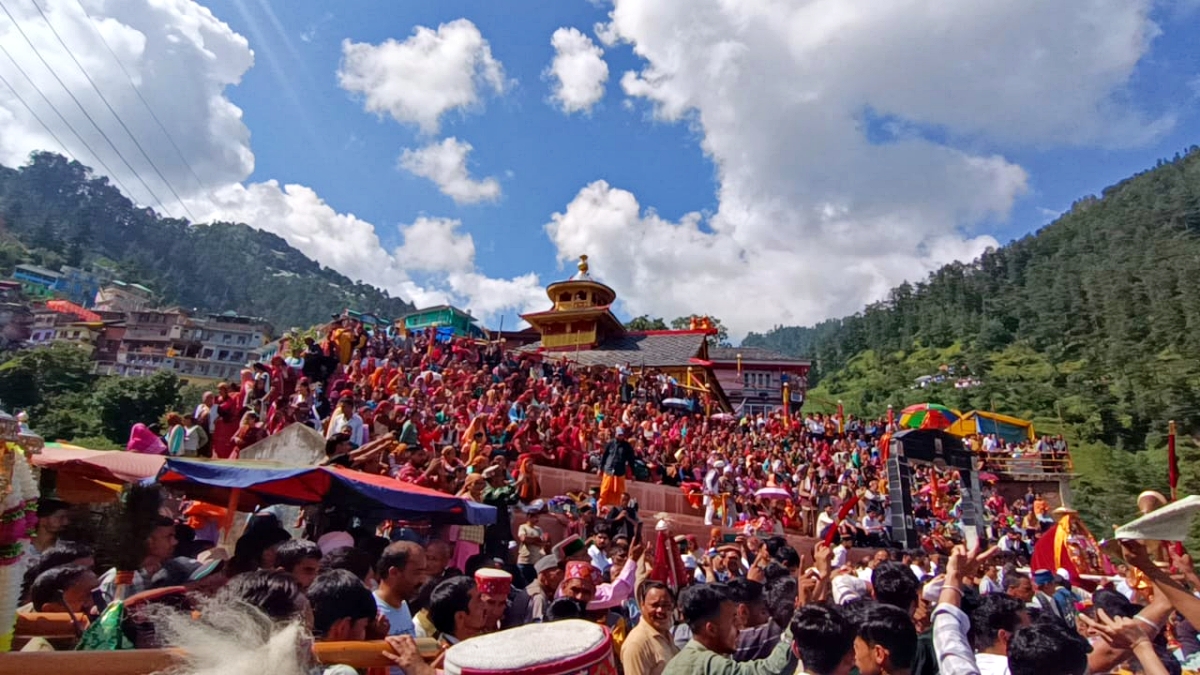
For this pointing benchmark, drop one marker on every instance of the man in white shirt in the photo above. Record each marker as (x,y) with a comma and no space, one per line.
(994,622)
(345,417)
(825,521)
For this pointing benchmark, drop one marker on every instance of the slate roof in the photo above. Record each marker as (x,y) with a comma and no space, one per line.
(655,350)
(751,354)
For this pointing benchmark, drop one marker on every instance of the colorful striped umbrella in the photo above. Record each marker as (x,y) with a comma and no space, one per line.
(928,416)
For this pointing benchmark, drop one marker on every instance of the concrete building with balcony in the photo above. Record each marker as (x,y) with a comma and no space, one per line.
(753,378)
(118,296)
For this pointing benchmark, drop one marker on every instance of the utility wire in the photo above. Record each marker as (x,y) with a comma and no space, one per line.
(104,99)
(142,98)
(37,117)
(70,126)
(79,105)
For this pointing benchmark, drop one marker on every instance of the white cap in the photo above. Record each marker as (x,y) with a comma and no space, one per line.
(334,540)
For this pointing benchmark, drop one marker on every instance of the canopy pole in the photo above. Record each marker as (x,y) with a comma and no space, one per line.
(231,509)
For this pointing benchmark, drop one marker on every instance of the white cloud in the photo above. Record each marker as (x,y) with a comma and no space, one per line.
(435,245)
(162,44)
(578,71)
(813,218)
(445,164)
(422,78)
(183,59)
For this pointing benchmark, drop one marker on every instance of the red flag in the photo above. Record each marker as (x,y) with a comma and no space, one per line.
(841,515)
(935,491)
(891,418)
(1172,459)
(841,417)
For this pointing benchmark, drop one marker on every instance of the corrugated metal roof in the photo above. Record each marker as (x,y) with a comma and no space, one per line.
(655,350)
(751,354)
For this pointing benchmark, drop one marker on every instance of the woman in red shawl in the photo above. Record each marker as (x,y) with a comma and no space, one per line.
(249,433)
(228,405)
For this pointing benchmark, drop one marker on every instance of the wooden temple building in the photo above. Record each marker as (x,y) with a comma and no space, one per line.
(580,327)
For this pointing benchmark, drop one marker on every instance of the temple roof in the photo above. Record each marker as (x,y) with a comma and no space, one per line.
(752,354)
(652,349)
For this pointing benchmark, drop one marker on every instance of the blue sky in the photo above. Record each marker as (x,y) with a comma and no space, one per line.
(764,163)
(550,155)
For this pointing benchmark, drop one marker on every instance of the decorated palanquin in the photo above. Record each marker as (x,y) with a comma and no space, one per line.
(1069,546)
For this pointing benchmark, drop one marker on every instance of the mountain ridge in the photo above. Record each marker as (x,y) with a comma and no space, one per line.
(60,213)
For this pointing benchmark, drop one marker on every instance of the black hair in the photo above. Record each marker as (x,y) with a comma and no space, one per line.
(745,592)
(1047,648)
(475,563)
(787,556)
(701,604)
(184,534)
(50,585)
(1114,604)
(274,593)
(337,595)
(891,628)
(62,553)
(395,555)
(649,585)
(1013,579)
(47,507)
(773,544)
(565,608)
(775,571)
(823,636)
(895,585)
(247,553)
(290,553)
(347,558)
(448,599)
(781,599)
(373,545)
(996,612)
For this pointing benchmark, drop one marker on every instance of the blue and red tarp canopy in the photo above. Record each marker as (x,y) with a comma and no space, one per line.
(261,484)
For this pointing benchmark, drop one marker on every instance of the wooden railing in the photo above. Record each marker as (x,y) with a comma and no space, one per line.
(1023,466)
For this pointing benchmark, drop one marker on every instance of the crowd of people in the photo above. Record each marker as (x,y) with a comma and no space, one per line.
(441,413)
(476,420)
(754,606)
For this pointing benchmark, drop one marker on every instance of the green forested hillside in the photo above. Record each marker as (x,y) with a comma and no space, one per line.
(1090,326)
(59,213)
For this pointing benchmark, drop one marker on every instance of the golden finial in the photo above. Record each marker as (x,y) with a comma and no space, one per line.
(583,264)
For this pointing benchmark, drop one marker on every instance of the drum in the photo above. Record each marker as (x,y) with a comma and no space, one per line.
(570,647)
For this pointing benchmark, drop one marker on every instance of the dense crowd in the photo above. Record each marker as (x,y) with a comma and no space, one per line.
(439,413)
(754,606)
(476,420)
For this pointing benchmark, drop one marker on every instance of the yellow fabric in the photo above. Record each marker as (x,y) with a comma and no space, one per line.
(611,488)
(1061,533)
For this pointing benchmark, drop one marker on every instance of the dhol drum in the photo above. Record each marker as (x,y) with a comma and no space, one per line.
(570,647)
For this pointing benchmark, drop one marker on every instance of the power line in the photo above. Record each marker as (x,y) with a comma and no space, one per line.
(86,145)
(141,98)
(37,117)
(104,99)
(79,105)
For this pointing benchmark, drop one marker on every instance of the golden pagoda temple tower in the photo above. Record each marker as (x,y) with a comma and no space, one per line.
(581,317)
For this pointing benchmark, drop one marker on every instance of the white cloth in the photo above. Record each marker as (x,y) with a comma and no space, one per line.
(992,664)
(358,430)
